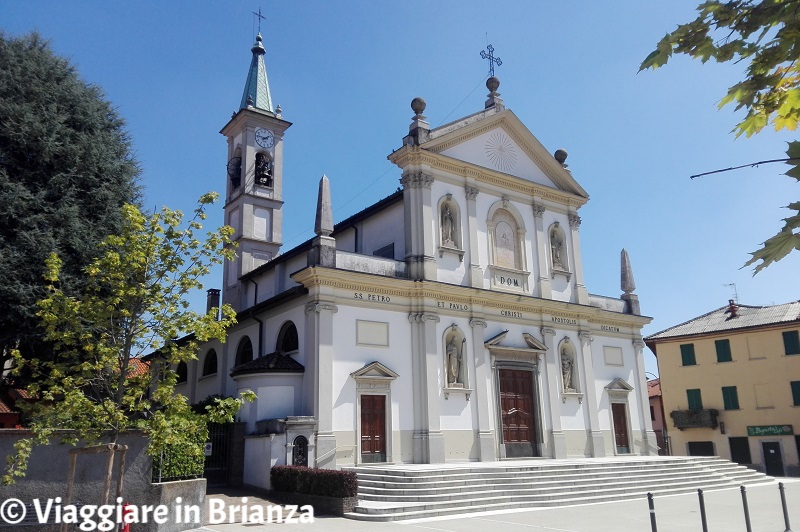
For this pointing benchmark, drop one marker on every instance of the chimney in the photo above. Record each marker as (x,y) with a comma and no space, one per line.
(212,302)
(732,309)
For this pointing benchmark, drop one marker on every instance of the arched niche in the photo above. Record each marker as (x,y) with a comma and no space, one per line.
(506,236)
(450,235)
(455,360)
(569,366)
(559,257)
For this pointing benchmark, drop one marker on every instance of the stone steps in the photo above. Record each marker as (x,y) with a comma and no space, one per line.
(391,493)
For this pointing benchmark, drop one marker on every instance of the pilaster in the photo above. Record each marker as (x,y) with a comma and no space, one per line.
(428,437)
(558,443)
(319,339)
(475,271)
(580,289)
(420,233)
(541,243)
(649,442)
(590,396)
(483,395)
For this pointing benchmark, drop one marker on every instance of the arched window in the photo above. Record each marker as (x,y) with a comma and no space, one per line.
(264,168)
(288,342)
(183,372)
(210,363)
(235,169)
(244,353)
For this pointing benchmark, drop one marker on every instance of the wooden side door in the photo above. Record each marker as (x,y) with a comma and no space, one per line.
(619,412)
(373,428)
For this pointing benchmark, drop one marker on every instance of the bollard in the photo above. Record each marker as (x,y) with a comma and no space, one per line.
(785,511)
(702,510)
(746,510)
(653,526)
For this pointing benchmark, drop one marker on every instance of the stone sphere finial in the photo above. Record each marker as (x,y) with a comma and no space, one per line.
(493,84)
(561,155)
(418,105)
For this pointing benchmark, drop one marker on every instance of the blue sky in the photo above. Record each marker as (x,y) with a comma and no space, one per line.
(345,73)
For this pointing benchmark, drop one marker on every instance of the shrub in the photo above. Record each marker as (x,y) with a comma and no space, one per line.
(308,481)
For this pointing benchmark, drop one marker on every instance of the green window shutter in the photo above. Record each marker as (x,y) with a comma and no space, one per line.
(796,392)
(695,401)
(687,355)
(723,350)
(791,342)
(730,397)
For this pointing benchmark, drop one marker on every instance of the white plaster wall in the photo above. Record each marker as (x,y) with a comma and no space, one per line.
(605,374)
(351,357)
(474,151)
(384,228)
(456,412)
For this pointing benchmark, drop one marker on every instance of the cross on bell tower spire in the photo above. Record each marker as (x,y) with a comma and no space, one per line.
(260,18)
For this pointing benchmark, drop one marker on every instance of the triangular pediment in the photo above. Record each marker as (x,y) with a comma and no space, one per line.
(374,370)
(619,385)
(501,142)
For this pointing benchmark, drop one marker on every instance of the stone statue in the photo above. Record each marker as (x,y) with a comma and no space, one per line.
(566,371)
(447,226)
(453,361)
(557,247)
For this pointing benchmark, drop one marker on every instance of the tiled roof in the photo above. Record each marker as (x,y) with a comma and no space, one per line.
(137,366)
(5,407)
(271,363)
(654,388)
(722,319)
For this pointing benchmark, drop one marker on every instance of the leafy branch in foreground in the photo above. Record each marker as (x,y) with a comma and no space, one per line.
(134,304)
(766,36)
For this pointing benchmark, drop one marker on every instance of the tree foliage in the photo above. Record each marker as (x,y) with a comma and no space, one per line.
(66,168)
(764,35)
(134,303)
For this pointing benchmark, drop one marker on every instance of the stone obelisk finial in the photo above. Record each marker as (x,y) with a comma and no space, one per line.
(628,285)
(323,247)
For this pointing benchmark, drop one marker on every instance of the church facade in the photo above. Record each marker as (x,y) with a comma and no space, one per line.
(447,322)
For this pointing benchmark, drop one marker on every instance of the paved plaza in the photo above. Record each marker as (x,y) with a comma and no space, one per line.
(673,514)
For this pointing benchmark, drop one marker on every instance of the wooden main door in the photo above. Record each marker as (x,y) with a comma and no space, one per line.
(619,412)
(373,428)
(518,413)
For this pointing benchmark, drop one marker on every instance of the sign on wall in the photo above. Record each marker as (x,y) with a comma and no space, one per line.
(770,430)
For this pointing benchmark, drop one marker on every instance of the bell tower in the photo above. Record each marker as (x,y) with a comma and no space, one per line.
(254,190)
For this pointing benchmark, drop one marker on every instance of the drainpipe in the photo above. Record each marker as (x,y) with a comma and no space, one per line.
(260,323)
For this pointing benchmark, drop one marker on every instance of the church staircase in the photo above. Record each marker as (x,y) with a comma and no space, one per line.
(391,493)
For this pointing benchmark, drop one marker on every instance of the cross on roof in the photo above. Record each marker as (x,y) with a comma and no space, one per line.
(492,59)
(260,18)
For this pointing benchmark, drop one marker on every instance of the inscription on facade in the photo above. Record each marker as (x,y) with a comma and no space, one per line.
(510,314)
(565,321)
(609,328)
(449,305)
(365,296)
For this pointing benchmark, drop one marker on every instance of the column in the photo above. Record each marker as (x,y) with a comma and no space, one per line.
(558,443)
(483,391)
(649,442)
(318,385)
(590,396)
(475,271)
(580,289)
(540,241)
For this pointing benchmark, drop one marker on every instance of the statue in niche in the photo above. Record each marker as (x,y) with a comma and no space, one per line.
(447,226)
(454,354)
(557,247)
(567,366)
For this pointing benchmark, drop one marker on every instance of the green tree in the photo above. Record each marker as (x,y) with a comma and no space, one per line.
(134,303)
(66,169)
(764,35)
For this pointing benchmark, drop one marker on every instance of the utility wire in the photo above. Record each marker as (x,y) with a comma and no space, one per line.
(746,166)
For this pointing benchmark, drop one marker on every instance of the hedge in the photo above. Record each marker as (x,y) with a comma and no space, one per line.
(308,481)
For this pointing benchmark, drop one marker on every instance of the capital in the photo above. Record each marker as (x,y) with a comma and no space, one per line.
(478,323)
(472,192)
(574,221)
(320,306)
(547,331)
(538,210)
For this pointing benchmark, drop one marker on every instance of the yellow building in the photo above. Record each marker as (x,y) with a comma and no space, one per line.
(730,382)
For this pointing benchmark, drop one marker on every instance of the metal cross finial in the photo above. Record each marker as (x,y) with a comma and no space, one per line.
(260,18)
(492,59)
